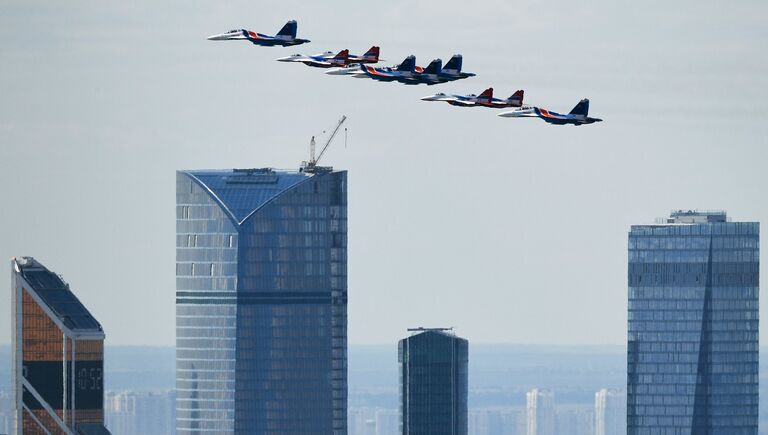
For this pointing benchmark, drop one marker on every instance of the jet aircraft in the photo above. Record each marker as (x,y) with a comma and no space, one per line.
(321,60)
(452,70)
(577,116)
(485,99)
(408,73)
(359,70)
(285,37)
(406,69)
(329,60)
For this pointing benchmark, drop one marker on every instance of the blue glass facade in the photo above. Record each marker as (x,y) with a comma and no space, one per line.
(261,302)
(433,384)
(693,326)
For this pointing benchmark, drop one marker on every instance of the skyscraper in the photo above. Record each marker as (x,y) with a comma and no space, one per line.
(433,383)
(693,326)
(58,350)
(261,302)
(140,412)
(540,404)
(610,412)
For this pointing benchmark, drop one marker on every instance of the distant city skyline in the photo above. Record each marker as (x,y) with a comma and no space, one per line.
(449,198)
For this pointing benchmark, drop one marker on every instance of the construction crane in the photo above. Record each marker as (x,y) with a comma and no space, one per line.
(311,167)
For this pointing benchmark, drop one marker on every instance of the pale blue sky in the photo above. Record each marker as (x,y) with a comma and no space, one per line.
(509,229)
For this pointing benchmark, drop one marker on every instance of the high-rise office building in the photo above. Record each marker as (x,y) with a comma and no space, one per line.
(610,412)
(261,302)
(140,412)
(692,357)
(540,406)
(433,383)
(58,349)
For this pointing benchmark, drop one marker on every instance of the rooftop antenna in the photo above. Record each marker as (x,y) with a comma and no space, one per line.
(311,166)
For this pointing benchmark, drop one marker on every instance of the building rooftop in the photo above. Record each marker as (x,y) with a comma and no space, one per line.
(242,191)
(694,217)
(56,295)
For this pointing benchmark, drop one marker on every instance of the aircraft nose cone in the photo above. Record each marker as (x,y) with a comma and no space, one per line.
(217,37)
(336,71)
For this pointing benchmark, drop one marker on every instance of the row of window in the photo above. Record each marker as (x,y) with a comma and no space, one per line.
(693,305)
(720,256)
(687,293)
(675,326)
(693,242)
(715,228)
(674,316)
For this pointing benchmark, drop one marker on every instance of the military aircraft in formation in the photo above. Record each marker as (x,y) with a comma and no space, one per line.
(485,99)
(285,37)
(407,72)
(578,116)
(329,59)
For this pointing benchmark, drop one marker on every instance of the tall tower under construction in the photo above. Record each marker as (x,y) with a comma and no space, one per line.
(261,301)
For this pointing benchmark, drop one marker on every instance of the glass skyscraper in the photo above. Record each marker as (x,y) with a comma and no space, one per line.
(693,326)
(58,348)
(261,302)
(433,383)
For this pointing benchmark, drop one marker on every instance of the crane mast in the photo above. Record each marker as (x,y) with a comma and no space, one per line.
(311,166)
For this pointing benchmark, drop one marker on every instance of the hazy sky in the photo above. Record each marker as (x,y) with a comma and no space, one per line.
(511,230)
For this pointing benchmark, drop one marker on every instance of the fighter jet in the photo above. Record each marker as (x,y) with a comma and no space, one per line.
(321,60)
(406,69)
(370,56)
(578,115)
(452,70)
(285,37)
(485,99)
(329,60)
(410,74)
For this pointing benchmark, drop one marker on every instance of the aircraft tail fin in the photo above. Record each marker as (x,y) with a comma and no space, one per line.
(409,64)
(454,64)
(581,109)
(486,94)
(288,30)
(343,56)
(517,97)
(434,67)
(372,54)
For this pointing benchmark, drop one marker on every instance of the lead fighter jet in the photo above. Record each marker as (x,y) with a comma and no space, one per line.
(285,37)
(485,99)
(328,59)
(577,116)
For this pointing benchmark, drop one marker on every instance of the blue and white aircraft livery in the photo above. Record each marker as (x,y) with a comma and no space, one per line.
(285,37)
(329,59)
(577,116)
(409,73)
(485,99)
